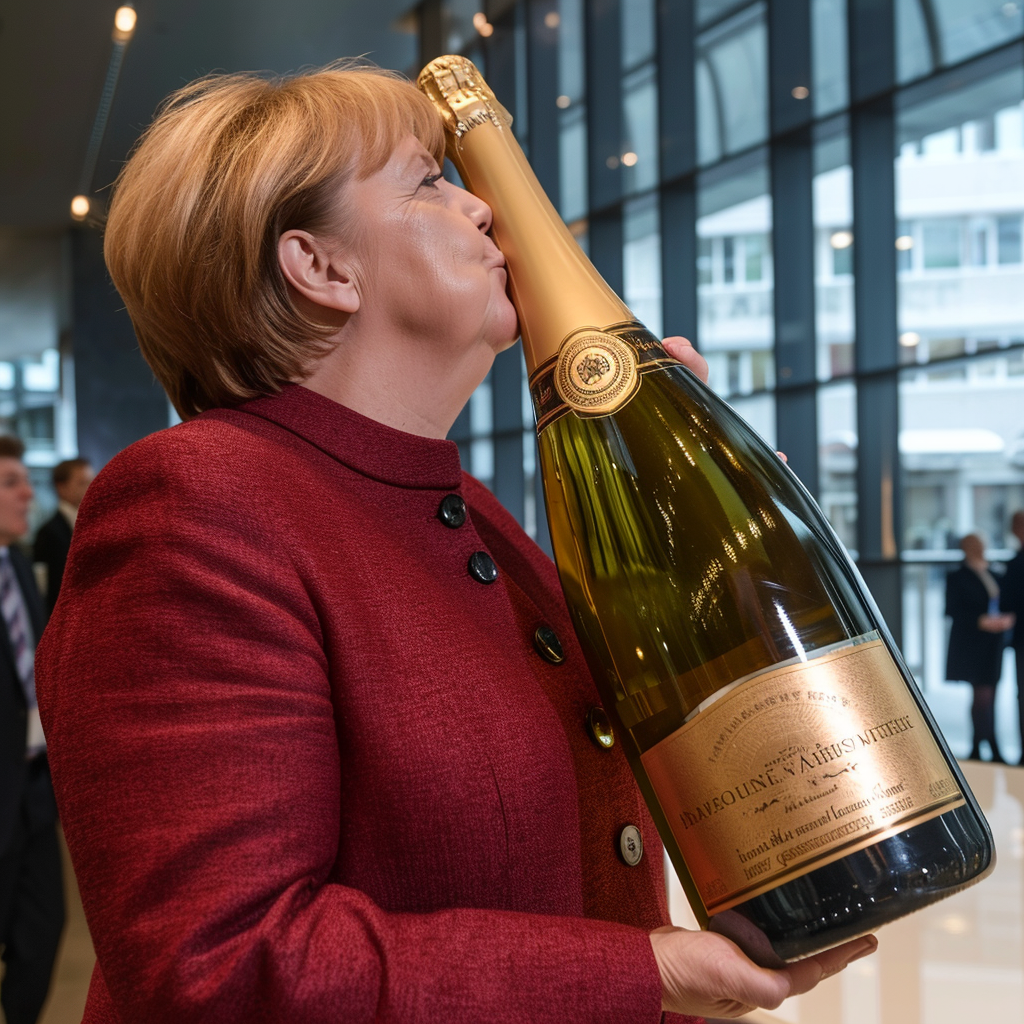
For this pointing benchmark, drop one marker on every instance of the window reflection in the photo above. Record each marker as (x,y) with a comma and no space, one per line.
(641,261)
(572,118)
(837,460)
(833,250)
(732,84)
(735,277)
(936,33)
(960,204)
(828,33)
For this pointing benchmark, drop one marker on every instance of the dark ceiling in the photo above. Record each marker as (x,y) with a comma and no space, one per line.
(53,63)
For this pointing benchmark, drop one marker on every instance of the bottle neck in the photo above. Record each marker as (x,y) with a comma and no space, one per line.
(554,287)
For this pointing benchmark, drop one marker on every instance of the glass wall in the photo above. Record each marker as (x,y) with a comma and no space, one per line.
(828,198)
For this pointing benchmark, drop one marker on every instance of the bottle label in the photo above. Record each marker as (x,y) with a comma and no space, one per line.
(596,372)
(797,767)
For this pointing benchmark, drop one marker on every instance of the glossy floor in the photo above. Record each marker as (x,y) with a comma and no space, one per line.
(959,960)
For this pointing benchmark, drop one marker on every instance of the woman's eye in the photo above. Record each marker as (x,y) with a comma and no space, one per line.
(431,180)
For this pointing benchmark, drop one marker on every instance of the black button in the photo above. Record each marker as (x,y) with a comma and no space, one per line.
(452,511)
(482,567)
(600,728)
(548,645)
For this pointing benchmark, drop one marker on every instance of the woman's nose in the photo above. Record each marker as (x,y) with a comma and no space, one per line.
(476,209)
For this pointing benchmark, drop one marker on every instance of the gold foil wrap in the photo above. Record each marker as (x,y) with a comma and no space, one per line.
(795,768)
(552,284)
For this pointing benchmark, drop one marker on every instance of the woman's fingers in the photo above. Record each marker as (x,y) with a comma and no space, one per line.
(681,349)
(706,974)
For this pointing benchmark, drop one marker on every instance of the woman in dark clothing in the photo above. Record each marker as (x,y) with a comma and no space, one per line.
(975,652)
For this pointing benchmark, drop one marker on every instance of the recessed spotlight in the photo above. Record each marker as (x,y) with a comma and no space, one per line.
(801,92)
(552,19)
(908,339)
(904,242)
(629,159)
(80,207)
(563,102)
(124,20)
(841,239)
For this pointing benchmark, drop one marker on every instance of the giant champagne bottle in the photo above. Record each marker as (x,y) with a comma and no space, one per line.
(800,785)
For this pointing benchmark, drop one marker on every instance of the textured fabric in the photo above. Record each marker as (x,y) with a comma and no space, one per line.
(31,889)
(20,794)
(15,615)
(51,549)
(309,768)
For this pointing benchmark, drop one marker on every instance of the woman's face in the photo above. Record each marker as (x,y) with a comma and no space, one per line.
(423,261)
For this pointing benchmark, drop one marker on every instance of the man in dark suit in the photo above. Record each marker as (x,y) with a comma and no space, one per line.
(1011,599)
(31,890)
(71,479)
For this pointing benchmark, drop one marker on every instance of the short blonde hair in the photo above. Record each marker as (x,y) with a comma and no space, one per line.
(229,164)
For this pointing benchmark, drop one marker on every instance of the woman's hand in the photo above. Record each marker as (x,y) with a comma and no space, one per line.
(708,975)
(681,349)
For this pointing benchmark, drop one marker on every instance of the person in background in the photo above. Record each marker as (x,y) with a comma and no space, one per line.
(71,479)
(31,887)
(1011,601)
(976,639)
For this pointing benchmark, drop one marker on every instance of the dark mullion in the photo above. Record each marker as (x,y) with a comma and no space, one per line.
(871,39)
(879,488)
(796,410)
(602,20)
(677,89)
(789,65)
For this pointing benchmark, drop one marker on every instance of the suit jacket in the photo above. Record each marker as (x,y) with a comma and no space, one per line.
(309,767)
(51,548)
(973,656)
(15,793)
(1011,598)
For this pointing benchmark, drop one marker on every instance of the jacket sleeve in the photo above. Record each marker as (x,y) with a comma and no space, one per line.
(192,740)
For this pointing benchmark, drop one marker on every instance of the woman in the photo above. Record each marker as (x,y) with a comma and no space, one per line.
(314,699)
(977,639)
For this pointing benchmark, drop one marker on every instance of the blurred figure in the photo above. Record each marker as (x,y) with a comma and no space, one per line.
(976,639)
(71,479)
(31,889)
(1011,600)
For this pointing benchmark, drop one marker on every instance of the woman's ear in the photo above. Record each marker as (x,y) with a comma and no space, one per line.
(321,277)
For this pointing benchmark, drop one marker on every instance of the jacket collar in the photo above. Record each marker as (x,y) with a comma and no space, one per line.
(370,448)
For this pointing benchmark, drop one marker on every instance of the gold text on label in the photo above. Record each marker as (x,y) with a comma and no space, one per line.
(798,767)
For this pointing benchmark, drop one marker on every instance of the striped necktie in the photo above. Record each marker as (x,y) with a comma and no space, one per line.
(19,631)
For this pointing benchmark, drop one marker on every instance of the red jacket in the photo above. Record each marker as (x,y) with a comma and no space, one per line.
(309,768)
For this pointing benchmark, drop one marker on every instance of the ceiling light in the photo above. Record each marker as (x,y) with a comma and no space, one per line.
(562,102)
(629,159)
(908,339)
(904,242)
(80,207)
(552,19)
(841,239)
(801,92)
(124,21)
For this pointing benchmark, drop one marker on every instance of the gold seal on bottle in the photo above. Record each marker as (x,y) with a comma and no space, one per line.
(596,373)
